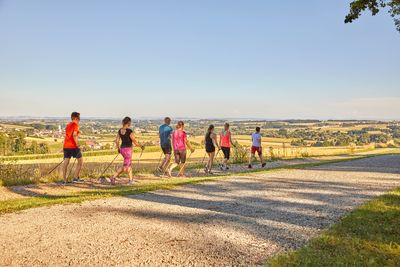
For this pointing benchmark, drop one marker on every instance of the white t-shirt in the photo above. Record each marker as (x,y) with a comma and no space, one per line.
(256,137)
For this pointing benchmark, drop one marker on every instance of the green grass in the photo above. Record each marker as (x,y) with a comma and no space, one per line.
(12,205)
(89,153)
(368,236)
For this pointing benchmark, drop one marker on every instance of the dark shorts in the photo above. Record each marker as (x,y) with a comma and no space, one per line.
(257,149)
(167,150)
(210,149)
(72,153)
(226,151)
(180,156)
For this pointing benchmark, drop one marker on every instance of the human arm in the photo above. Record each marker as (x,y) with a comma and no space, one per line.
(231,141)
(188,145)
(117,140)
(214,139)
(75,134)
(133,138)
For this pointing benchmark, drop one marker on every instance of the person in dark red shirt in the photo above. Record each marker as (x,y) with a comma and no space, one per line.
(71,147)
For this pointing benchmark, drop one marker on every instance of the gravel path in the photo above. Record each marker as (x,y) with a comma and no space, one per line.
(237,222)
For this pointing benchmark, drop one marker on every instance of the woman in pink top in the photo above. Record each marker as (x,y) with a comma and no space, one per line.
(225,142)
(179,143)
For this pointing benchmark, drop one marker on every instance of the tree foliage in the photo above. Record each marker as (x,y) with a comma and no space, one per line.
(358,6)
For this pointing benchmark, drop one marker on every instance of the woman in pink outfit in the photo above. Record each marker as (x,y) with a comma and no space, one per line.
(127,138)
(179,143)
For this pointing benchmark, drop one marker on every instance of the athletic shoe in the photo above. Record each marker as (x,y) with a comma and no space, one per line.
(131,182)
(77,180)
(221,167)
(226,168)
(250,166)
(263,165)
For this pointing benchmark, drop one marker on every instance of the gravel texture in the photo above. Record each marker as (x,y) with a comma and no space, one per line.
(241,221)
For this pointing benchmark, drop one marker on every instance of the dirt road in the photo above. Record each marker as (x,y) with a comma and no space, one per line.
(237,222)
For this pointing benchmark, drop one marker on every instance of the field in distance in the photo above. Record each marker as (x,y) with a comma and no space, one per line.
(37,144)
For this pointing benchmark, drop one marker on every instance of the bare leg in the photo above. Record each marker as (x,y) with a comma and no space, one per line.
(165,162)
(118,172)
(251,158)
(261,158)
(65,169)
(78,167)
(210,160)
(225,162)
(182,169)
(130,174)
(173,166)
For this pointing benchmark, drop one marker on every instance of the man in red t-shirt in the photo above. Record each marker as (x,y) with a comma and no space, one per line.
(71,147)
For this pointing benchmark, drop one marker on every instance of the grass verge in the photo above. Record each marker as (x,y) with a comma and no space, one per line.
(368,236)
(7,206)
(12,205)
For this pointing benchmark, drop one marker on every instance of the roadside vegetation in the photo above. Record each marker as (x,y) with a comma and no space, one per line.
(368,236)
(12,205)
(30,149)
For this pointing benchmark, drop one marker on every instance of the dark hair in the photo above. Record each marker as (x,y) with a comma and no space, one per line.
(180,124)
(226,125)
(75,115)
(210,128)
(167,119)
(258,129)
(126,120)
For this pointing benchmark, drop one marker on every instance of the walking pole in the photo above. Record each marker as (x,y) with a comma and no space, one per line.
(216,158)
(140,156)
(158,164)
(201,164)
(183,166)
(58,165)
(72,167)
(101,176)
(167,166)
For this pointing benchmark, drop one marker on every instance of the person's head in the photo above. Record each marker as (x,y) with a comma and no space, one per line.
(75,116)
(210,129)
(126,122)
(180,125)
(258,129)
(226,126)
(167,120)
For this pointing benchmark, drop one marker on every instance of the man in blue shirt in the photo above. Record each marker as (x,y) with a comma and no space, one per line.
(165,132)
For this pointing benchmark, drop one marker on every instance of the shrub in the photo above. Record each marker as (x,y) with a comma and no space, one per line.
(240,153)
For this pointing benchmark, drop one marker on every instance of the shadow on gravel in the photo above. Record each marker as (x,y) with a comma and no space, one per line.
(389,164)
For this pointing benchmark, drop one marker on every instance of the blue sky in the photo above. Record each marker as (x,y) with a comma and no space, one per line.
(247,59)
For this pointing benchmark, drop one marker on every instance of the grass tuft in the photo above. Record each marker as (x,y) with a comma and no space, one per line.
(368,236)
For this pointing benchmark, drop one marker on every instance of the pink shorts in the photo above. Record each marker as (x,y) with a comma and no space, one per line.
(126,153)
(257,149)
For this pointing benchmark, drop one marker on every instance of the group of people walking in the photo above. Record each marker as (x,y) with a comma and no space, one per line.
(171,141)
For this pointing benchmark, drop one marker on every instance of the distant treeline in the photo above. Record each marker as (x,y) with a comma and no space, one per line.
(14,143)
(338,138)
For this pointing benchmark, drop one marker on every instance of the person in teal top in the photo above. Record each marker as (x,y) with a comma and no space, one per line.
(165,132)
